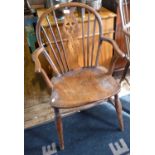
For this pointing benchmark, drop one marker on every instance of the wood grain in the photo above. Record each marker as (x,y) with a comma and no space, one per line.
(83,86)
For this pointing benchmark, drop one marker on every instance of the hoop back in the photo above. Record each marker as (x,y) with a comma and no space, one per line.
(69,41)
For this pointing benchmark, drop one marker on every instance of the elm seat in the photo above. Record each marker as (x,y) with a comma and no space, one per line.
(83,86)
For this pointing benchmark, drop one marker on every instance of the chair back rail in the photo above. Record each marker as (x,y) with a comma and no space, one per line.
(76,33)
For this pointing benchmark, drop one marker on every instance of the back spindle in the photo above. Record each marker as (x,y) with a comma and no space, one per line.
(60,36)
(53,51)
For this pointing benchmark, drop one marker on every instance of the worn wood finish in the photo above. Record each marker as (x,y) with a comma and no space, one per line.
(81,85)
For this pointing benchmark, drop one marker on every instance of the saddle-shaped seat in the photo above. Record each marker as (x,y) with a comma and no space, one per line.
(83,86)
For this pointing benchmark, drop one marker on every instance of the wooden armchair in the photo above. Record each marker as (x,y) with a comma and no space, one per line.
(75,82)
(124,6)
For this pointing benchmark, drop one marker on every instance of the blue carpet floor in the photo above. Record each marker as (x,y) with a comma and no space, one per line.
(125,100)
(90,132)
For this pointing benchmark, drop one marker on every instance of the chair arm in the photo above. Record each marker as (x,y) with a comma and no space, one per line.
(38,68)
(117,52)
(35,58)
(115,46)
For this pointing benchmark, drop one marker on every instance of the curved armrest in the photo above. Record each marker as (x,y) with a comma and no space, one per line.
(118,52)
(35,58)
(38,68)
(115,46)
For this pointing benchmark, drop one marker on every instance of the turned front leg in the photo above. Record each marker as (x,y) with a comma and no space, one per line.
(118,107)
(59,126)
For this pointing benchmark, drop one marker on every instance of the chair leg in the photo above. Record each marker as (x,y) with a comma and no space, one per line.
(125,71)
(118,107)
(59,126)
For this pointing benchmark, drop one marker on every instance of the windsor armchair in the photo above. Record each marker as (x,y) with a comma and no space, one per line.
(124,6)
(85,82)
